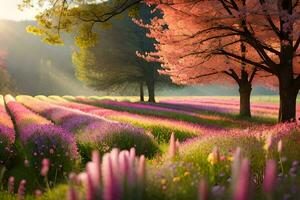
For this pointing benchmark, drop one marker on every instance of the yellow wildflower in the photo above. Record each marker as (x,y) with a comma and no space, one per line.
(163,181)
(230,158)
(214,157)
(176,179)
(186,173)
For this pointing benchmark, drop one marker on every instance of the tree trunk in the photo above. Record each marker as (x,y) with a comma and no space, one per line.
(142,92)
(288,88)
(245,92)
(151,91)
(288,97)
(287,110)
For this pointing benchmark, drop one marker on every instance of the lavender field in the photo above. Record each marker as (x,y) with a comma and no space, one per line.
(117,148)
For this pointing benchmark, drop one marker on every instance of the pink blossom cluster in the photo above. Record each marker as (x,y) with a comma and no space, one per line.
(120,175)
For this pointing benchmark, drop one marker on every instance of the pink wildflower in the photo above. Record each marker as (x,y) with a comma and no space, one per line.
(21,190)
(11,184)
(45,167)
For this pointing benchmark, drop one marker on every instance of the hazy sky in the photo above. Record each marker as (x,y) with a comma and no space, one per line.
(9,10)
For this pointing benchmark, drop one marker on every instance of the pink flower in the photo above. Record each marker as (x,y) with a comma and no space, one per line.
(111,189)
(90,188)
(21,190)
(202,190)
(45,167)
(270,176)
(11,184)
(93,176)
(124,165)
(241,190)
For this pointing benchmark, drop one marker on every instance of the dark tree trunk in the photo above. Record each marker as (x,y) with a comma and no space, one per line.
(288,96)
(287,110)
(245,93)
(151,91)
(142,92)
(288,86)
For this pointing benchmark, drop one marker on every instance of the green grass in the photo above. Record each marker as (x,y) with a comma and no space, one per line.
(160,132)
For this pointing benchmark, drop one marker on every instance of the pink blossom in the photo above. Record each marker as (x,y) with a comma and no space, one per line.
(21,190)
(11,184)
(45,167)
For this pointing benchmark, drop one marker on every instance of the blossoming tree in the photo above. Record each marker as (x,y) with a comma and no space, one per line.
(196,36)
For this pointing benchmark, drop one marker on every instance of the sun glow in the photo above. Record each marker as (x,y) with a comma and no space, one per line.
(9,10)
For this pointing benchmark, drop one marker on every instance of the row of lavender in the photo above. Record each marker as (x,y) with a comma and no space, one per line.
(40,138)
(7,134)
(91,131)
(160,128)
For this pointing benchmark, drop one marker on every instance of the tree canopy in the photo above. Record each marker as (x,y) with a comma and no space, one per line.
(210,31)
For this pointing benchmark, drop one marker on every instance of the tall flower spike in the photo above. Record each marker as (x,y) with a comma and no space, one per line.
(97,167)
(141,171)
(270,176)
(21,190)
(172,147)
(111,190)
(90,189)
(93,172)
(124,165)
(132,174)
(11,184)
(202,190)
(241,190)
